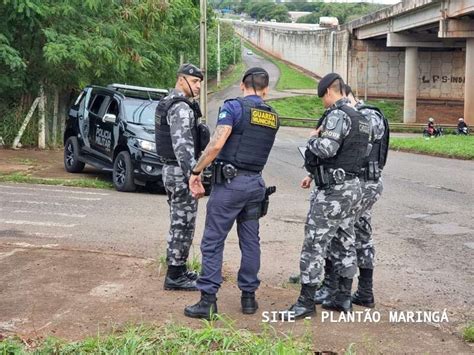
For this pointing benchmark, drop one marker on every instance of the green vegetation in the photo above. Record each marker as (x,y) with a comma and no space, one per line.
(312,107)
(299,106)
(173,339)
(450,146)
(66,45)
(268,9)
(289,78)
(230,78)
(22,178)
(468,333)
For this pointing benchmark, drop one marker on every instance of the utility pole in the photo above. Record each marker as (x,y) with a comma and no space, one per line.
(203,59)
(218,53)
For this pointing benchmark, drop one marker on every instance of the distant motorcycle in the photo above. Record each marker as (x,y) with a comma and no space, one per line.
(463,131)
(435,132)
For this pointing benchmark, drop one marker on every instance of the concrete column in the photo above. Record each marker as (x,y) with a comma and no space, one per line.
(411,84)
(469,84)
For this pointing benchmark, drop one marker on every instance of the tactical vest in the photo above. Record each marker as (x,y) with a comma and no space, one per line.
(252,138)
(379,150)
(353,148)
(164,146)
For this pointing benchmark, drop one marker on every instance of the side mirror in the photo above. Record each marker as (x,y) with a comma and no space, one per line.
(109,117)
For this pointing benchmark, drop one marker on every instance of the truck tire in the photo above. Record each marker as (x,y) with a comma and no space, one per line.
(71,156)
(122,174)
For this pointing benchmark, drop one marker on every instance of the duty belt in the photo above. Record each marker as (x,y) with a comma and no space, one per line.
(224,171)
(165,161)
(326,178)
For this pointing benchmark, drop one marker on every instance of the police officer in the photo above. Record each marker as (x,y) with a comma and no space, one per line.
(334,158)
(242,141)
(372,187)
(176,143)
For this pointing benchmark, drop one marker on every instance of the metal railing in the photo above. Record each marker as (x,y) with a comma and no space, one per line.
(397,125)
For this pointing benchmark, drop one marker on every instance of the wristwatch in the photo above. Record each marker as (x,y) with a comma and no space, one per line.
(195,172)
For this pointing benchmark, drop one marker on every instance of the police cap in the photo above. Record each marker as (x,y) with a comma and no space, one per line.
(326,82)
(254,70)
(190,69)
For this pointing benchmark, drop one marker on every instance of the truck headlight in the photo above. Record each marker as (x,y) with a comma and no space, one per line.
(146,145)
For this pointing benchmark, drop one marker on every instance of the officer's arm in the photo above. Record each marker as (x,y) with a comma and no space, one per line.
(212,150)
(333,130)
(181,119)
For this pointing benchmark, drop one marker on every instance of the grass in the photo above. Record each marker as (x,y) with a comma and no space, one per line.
(230,78)
(468,333)
(290,78)
(172,339)
(312,107)
(193,263)
(22,178)
(450,146)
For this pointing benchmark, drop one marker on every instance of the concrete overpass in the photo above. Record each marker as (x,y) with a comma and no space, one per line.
(415,49)
(414,24)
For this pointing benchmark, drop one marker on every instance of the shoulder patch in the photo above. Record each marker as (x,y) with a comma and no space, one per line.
(331,122)
(222,115)
(263,118)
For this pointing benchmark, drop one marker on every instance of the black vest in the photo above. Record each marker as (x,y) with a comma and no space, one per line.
(353,148)
(379,150)
(252,138)
(164,146)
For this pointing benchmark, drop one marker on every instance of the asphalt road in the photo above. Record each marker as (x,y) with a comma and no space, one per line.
(423,225)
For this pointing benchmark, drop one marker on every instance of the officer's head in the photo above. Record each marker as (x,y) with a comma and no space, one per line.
(460,119)
(330,89)
(350,95)
(431,119)
(189,79)
(255,82)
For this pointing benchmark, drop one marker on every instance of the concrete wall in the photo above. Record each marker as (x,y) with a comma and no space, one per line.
(440,73)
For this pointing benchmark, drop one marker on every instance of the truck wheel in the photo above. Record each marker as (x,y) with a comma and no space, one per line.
(123,173)
(71,156)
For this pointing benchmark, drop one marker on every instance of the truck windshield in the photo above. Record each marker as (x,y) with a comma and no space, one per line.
(140,111)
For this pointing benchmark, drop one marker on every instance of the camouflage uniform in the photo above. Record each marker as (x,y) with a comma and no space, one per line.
(371,192)
(332,211)
(183,206)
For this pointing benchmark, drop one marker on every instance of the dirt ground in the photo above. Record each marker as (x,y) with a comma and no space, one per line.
(72,293)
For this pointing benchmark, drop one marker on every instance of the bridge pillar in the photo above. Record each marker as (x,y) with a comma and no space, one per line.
(469,84)
(411,84)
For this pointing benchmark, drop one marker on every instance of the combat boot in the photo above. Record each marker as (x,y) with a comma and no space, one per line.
(177,280)
(364,295)
(248,302)
(206,308)
(329,287)
(304,305)
(341,301)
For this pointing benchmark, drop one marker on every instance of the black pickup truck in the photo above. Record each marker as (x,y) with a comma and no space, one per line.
(113,128)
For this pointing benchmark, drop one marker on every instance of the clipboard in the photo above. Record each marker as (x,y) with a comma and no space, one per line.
(302,151)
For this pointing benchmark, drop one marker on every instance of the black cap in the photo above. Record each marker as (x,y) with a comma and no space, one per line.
(326,82)
(190,69)
(254,70)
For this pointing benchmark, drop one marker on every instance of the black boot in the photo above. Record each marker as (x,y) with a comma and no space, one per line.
(176,279)
(206,308)
(304,306)
(341,301)
(364,295)
(248,302)
(329,287)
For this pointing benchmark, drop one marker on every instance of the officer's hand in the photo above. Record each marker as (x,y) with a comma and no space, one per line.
(315,132)
(195,185)
(306,182)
